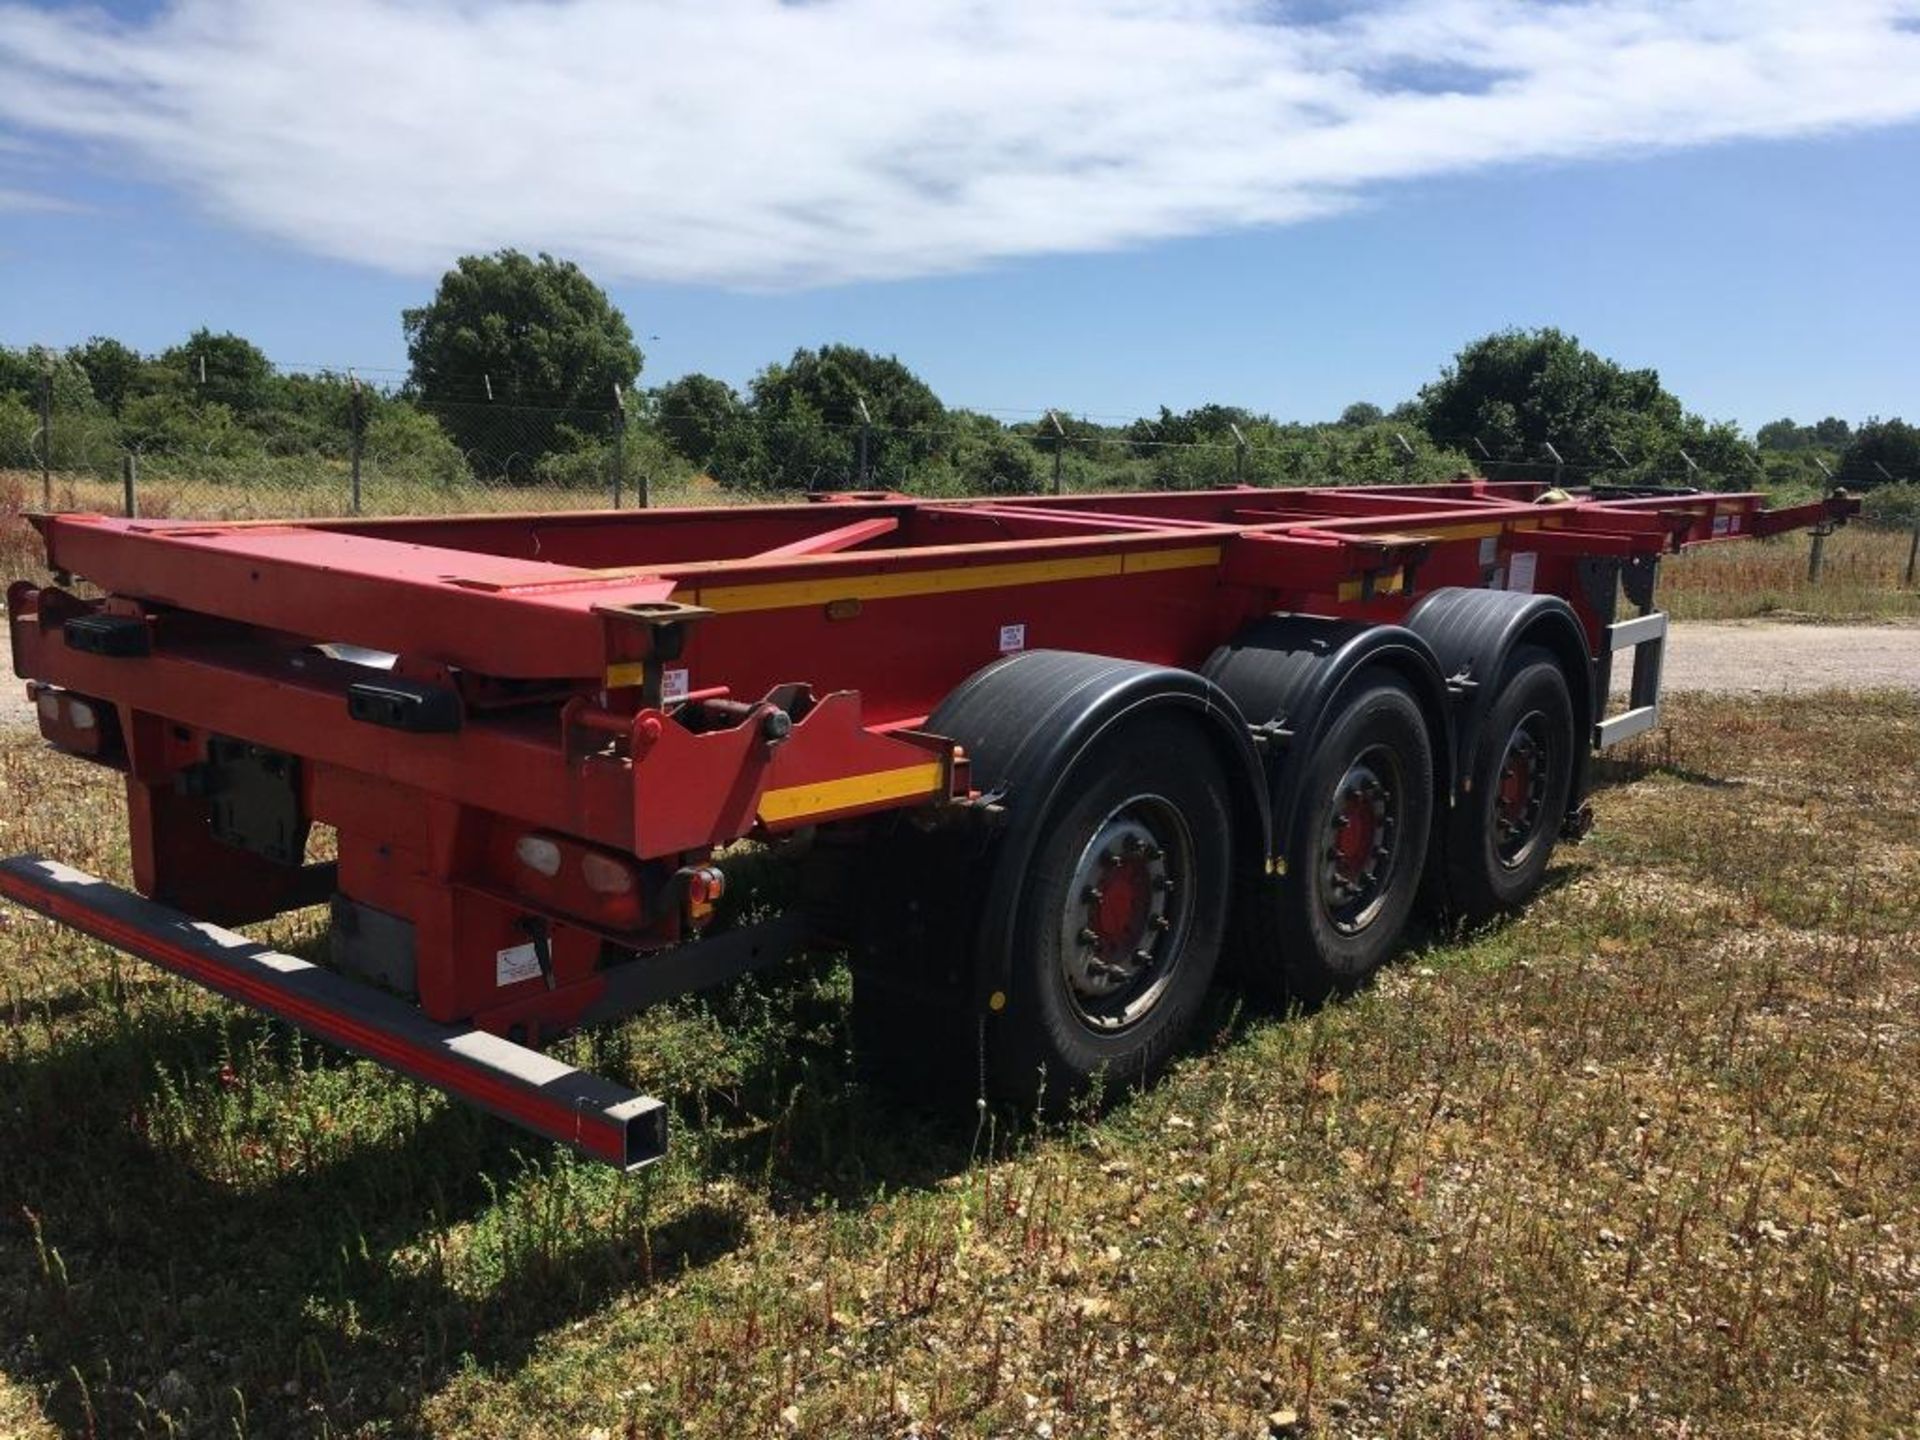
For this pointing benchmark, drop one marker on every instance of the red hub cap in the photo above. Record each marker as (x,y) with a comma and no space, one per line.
(1354,840)
(1120,914)
(1516,787)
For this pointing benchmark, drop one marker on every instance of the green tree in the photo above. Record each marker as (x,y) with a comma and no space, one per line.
(806,422)
(1517,391)
(1203,423)
(535,332)
(1361,414)
(694,412)
(219,369)
(985,459)
(115,371)
(1785,435)
(1889,446)
(1832,433)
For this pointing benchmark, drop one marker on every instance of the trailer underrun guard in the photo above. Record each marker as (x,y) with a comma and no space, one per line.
(1042,762)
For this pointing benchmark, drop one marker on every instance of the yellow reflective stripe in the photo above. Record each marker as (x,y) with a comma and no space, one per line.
(826,796)
(1447,532)
(1141,562)
(623,673)
(785,594)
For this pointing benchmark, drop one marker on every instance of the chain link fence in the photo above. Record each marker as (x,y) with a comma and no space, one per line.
(384,457)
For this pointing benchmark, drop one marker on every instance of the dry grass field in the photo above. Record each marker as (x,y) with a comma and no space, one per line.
(1861,579)
(1644,1160)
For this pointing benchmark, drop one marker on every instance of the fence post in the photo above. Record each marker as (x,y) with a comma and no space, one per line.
(1239,454)
(1059,445)
(129,475)
(1913,552)
(46,438)
(866,431)
(356,436)
(619,442)
(1817,555)
(1559,465)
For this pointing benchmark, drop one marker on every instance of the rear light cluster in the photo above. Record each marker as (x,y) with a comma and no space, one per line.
(74,722)
(705,884)
(601,886)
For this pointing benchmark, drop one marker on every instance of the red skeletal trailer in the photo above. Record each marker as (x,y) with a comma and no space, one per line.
(1044,759)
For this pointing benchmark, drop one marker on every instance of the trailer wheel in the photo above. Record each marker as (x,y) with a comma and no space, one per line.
(1121,916)
(1501,833)
(1356,851)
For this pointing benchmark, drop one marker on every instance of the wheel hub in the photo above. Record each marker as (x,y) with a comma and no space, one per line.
(1520,790)
(1126,913)
(1362,827)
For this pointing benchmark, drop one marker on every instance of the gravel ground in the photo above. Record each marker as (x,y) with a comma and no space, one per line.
(1765,657)
(1741,657)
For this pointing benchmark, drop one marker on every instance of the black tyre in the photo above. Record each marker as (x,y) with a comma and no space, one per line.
(1121,917)
(1501,834)
(1358,843)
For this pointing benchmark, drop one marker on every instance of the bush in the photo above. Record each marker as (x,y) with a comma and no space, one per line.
(407,444)
(19,434)
(1891,507)
(171,425)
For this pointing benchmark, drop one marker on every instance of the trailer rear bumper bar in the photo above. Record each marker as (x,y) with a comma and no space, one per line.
(602,1120)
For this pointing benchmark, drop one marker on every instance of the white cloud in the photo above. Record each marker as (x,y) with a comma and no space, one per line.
(758,143)
(17,201)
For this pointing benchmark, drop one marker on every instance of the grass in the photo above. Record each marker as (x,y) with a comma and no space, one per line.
(1641,1160)
(1862,579)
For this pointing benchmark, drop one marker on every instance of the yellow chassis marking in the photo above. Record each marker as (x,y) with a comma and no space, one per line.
(787,594)
(1386,585)
(624,673)
(826,796)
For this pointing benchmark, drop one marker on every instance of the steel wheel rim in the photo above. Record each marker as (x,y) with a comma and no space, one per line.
(1520,790)
(1360,853)
(1128,909)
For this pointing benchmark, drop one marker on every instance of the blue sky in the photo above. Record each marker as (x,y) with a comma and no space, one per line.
(1325,222)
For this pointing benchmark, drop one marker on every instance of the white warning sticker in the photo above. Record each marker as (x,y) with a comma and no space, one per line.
(1722,524)
(1489,550)
(1012,638)
(1520,571)
(514,964)
(674,684)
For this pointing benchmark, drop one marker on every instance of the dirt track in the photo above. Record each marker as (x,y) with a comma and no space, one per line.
(1741,657)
